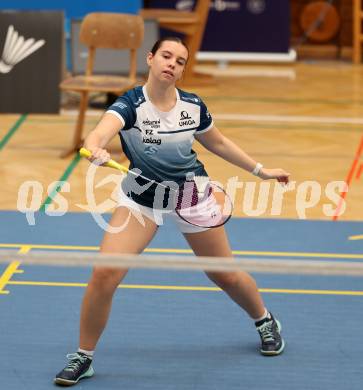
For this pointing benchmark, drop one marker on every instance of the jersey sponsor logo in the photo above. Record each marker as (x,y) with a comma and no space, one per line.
(120,105)
(150,150)
(192,99)
(151,140)
(184,115)
(138,101)
(153,124)
(185,119)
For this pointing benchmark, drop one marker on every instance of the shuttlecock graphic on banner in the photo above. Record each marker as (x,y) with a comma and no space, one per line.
(16,49)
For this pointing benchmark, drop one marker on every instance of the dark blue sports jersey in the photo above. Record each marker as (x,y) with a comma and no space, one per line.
(159,143)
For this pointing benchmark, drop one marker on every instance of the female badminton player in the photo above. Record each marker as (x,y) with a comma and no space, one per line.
(157,124)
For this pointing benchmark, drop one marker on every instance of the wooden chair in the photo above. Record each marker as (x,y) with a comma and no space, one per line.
(104,30)
(357,31)
(190,23)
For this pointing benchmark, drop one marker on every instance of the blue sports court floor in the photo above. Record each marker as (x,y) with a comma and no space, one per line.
(174,330)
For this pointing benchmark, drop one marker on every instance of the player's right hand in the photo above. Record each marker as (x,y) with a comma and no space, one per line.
(99,156)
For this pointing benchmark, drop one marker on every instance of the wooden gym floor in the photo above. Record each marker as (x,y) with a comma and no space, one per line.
(306,118)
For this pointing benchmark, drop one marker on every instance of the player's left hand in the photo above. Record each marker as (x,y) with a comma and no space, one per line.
(277,173)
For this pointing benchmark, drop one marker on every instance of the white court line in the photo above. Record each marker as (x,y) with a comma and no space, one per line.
(249,72)
(255,118)
(287,118)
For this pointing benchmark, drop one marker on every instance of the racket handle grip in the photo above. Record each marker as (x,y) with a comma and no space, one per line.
(83,152)
(110,163)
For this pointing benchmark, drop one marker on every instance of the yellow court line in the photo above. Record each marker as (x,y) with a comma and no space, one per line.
(302,254)
(353,238)
(11,269)
(266,253)
(60,247)
(189,288)
(310,292)
(189,251)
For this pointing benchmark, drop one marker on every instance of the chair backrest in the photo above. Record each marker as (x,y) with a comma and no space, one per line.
(112,31)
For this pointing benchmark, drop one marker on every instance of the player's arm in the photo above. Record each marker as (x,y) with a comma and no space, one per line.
(214,141)
(101,135)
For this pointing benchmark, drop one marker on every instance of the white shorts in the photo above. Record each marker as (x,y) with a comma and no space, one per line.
(157,216)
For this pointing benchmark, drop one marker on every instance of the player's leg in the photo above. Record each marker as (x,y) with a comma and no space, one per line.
(104,281)
(240,286)
(96,305)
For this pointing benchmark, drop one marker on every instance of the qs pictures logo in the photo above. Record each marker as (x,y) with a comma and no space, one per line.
(16,49)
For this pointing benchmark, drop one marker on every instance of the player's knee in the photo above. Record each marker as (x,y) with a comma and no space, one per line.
(106,280)
(224,280)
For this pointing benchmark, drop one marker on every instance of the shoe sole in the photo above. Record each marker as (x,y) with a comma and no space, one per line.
(66,382)
(278,352)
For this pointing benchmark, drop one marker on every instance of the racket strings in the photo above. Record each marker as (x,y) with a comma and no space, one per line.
(189,195)
(211,207)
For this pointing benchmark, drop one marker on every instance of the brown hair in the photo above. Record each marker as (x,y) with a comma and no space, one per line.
(159,42)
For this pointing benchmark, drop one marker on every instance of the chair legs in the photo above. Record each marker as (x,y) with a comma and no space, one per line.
(194,43)
(357,31)
(77,136)
(191,77)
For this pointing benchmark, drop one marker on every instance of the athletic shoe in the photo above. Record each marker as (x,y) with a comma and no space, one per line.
(270,332)
(79,367)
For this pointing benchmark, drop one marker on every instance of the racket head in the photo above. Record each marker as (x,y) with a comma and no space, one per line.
(208,209)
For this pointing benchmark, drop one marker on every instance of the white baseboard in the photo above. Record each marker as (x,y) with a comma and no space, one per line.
(247,57)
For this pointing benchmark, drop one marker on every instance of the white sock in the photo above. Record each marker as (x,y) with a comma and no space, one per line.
(88,353)
(266,314)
